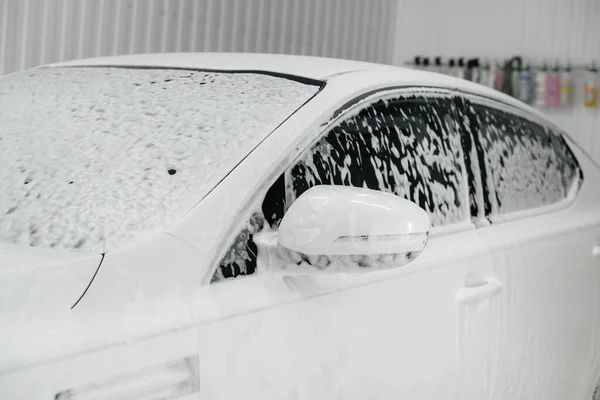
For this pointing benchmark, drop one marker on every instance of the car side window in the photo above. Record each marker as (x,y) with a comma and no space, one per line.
(527,165)
(406,145)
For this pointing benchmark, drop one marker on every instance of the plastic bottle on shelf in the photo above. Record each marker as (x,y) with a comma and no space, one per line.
(507,85)
(539,98)
(417,62)
(485,73)
(426,64)
(451,67)
(492,75)
(516,81)
(526,85)
(591,87)
(553,88)
(460,70)
(566,87)
(475,71)
(499,78)
(437,66)
(468,70)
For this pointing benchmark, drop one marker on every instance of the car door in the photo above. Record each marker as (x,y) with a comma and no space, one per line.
(549,319)
(423,330)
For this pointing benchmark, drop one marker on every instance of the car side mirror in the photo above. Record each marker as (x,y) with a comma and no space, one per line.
(345,229)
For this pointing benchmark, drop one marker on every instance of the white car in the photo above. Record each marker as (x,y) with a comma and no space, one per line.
(228,226)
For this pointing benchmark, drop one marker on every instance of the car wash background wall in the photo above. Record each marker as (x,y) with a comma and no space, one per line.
(541,31)
(35,32)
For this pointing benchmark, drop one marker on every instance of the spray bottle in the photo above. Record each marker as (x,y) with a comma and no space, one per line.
(526,85)
(566,87)
(539,99)
(553,88)
(591,87)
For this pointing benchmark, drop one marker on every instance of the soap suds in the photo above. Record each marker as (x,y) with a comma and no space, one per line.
(527,165)
(409,146)
(94,159)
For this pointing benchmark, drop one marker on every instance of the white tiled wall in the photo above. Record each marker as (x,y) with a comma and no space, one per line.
(551,30)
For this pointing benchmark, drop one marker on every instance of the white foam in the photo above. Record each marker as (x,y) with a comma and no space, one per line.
(94,159)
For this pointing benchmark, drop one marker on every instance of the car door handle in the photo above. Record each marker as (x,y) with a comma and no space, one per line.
(472,294)
(596,251)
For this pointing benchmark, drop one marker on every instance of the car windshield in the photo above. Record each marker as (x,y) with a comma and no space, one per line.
(93,159)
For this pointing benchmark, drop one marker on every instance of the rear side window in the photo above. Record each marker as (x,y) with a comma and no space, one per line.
(526,165)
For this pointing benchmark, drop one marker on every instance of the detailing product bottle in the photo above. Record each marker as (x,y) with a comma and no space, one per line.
(591,88)
(526,85)
(451,67)
(553,88)
(566,87)
(485,73)
(493,73)
(437,67)
(468,70)
(460,71)
(540,87)
(499,79)
(475,70)
(507,86)
(418,62)
(516,81)
(426,64)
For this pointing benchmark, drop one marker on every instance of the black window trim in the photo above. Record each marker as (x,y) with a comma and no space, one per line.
(296,78)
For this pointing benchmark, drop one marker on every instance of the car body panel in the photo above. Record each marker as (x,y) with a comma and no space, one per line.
(125,358)
(391,333)
(312,336)
(126,300)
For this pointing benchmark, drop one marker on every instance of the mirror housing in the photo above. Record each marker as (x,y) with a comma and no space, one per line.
(336,227)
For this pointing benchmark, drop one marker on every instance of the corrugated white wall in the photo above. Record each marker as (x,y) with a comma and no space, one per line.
(34,32)
(552,30)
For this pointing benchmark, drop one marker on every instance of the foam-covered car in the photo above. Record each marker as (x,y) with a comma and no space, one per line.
(228,226)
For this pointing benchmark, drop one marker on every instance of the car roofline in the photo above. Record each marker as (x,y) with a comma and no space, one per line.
(310,67)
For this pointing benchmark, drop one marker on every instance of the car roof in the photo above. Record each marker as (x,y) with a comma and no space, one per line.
(317,68)
(297,66)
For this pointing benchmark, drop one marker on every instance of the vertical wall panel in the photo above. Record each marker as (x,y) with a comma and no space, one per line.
(260,17)
(138,29)
(540,30)
(34,32)
(336,43)
(89,29)
(10,40)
